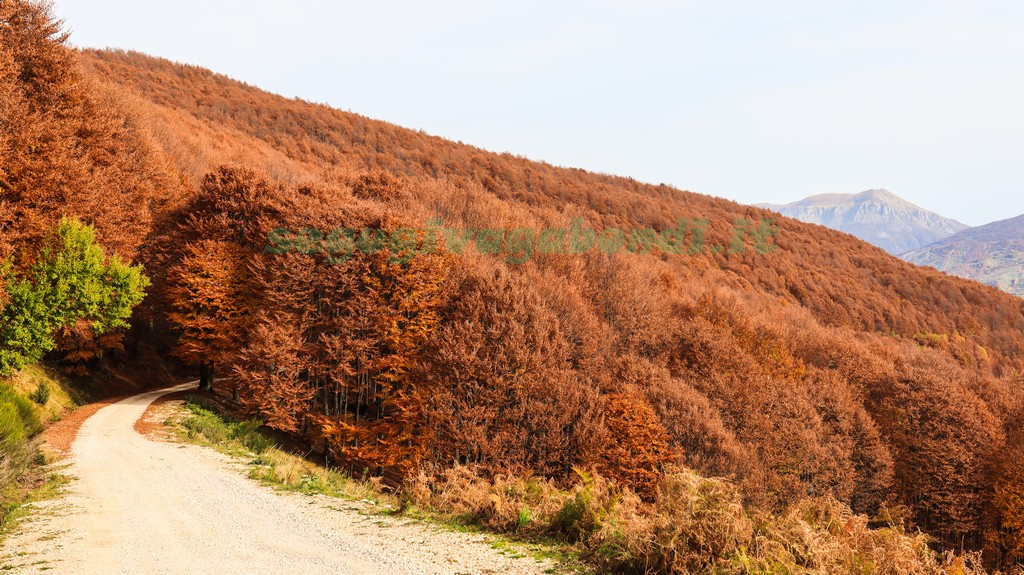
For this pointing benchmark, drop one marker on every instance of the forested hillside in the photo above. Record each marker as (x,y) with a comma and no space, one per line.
(66,288)
(797,362)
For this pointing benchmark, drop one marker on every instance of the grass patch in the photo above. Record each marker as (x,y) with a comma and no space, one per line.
(204,424)
(28,400)
(37,486)
(51,393)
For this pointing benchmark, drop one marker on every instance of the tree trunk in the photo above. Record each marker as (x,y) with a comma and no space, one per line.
(206,376)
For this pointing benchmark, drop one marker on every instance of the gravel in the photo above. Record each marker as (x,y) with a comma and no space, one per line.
(138,506)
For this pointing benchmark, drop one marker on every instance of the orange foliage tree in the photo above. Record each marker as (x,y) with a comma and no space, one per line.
(392,309)
(269,372)
(498,376)
(636,448)
(208,291)
(68,151)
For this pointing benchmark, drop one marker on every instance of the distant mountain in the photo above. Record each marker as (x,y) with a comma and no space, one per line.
(878,217)
(992,254)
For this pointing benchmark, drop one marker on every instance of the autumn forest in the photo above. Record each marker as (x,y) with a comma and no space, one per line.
(818,369)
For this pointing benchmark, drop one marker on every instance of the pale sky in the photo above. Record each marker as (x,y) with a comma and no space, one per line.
(749,100)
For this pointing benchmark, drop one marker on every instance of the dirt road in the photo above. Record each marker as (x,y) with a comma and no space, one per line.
(142,507)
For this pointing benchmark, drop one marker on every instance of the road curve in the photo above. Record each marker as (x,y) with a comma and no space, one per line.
(138,507)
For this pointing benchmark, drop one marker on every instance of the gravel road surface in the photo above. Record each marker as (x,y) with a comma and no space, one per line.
(139,507)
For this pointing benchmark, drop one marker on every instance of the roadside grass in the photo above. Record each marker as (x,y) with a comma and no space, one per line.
(695,524)
(28,400)
(202,422)
(38,485)
(38,382)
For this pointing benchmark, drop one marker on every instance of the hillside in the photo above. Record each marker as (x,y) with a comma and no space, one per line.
(202,120)
(991,254)
(753,362)
(878,217)
(799,363)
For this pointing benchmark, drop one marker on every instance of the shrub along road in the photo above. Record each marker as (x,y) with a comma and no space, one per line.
(137,506)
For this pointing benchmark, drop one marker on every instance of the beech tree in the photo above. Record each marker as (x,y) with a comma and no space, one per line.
(204,292)
(392,309)
(68,149)
(1006,538)
(208,290)
(502,394)
(71,282)
(636,448)
(269,371)
(944,439)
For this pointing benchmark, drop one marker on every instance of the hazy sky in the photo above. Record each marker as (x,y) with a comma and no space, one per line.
(749,100)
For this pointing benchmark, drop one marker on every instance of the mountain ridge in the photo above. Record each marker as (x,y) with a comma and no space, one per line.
(876,216)
(992,254)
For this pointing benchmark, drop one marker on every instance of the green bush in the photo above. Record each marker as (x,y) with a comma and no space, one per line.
(574,518)
(525,517)
(590,504)
(42,394)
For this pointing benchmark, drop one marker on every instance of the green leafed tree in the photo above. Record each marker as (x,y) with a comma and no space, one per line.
(72,281)
(25,332)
